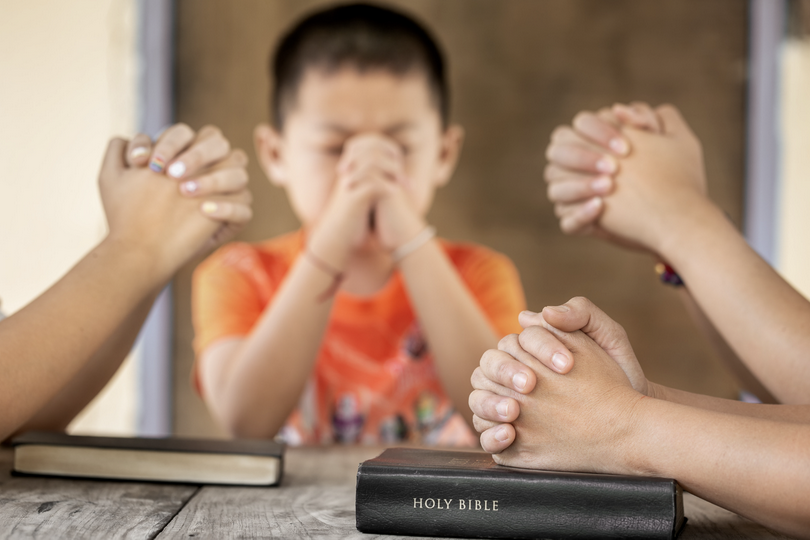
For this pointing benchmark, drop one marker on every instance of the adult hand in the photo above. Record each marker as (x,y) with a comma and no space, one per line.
(169,223)
(582,161)
(516,376)
(577,421)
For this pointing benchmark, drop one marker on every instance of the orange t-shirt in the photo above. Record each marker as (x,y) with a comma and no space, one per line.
(374,380)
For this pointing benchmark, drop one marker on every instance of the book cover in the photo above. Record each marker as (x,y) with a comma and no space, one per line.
(172,459)
(421,492)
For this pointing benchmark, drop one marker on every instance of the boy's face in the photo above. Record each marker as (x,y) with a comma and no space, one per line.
(332,108)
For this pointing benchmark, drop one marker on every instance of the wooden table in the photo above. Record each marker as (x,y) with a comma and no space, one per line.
(315,500)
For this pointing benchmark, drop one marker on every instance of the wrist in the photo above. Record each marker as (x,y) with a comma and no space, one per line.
(425,235)
(676,233)
(133,261)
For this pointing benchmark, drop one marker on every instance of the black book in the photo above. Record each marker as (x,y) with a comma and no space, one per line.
(188,461)
(466,494)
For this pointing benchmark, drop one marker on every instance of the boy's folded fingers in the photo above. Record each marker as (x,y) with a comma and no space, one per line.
(498,438)
(492,407)
(172,141)
(216,182)
(203,152)
(504,368)
(139,149)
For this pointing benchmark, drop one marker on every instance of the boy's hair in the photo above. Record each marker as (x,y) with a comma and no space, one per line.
(361,36)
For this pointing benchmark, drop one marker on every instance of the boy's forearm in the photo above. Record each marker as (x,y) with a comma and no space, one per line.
(782,413)
(45,344)
(455,326)
(759,314)
(757,468)
(264,379)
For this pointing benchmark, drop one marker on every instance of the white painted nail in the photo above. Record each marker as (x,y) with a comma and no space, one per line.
(209,207)
(190,187)
(177,169)
(139,152)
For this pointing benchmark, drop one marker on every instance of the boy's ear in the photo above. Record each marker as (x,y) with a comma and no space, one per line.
(452,140)
(269,150)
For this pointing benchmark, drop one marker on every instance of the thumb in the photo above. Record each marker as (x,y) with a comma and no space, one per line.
(672,120)
(579,313)
(113,163)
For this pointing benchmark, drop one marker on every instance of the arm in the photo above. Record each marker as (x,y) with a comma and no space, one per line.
(592,419)
(455,326)
(726,354)
(661,205)
(61,349)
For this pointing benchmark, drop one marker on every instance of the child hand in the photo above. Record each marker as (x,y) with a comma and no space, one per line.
(574,422)
(492,409)
(370,171)
(148,214)
(582,160)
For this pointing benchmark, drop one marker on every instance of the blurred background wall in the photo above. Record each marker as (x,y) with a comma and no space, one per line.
(68,75)
(518,68)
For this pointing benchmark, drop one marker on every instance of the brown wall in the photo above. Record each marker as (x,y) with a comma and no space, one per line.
(518,68)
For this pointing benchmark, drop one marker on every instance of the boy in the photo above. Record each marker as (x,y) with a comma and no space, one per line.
(363,319)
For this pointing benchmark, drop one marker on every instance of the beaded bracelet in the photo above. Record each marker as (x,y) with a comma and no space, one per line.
(414,243)
(667,275)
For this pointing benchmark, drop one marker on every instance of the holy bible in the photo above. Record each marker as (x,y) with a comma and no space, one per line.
(188,461)
(422,492)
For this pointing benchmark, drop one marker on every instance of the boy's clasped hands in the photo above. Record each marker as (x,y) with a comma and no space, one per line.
(370,201)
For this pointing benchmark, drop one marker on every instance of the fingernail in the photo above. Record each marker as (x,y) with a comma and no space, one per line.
(177,169)
(528,313)
(157,164)
(139,152)
(190,187)
(520,380)
(560,361)
(559,309)
(606,165)
(209,207)
(502,408)
(594,204)
(501,434)
(619,146)
(602,184)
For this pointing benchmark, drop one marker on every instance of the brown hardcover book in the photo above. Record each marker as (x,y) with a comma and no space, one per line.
(187,461)
(422,492)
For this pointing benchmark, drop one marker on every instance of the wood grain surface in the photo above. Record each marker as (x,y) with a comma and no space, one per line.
(315,500)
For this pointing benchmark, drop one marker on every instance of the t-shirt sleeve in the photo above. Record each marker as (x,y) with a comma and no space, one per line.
(225,297)
(495,283)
